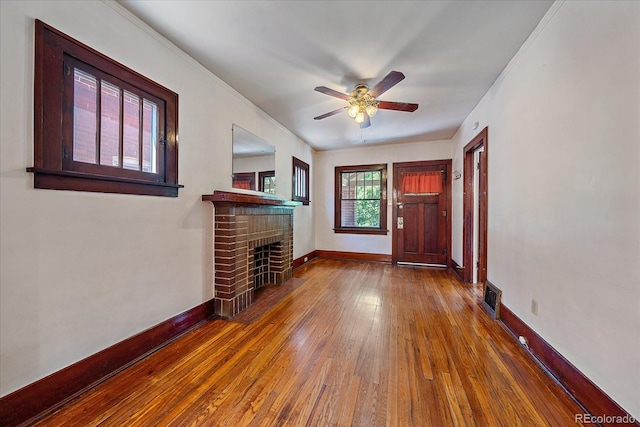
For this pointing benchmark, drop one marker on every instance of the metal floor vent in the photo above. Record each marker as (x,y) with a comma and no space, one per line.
(491,299)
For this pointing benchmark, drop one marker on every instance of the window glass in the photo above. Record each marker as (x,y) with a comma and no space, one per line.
(109,124)
(425,182)
(85,101)
(149,136)
(131,137)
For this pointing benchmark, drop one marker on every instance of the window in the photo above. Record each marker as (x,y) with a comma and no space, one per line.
(300,181)
(267,181)
(244,180)
(361,199)
(100,126)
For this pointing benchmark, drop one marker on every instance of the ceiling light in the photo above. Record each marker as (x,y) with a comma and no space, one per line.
(353,109)
(362,103)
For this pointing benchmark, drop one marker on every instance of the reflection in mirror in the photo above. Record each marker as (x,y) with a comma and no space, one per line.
(254,162)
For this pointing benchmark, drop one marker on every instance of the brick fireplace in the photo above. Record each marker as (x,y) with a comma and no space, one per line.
(253,246)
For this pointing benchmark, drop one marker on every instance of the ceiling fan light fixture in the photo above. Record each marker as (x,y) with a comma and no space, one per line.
(372,109)
(363,103)
(353,110)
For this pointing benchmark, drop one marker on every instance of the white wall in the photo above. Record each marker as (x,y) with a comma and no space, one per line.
(81,271)
(564,188)
(325,163)
(254,164)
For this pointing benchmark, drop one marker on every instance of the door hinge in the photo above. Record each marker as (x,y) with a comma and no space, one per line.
(444,251)
(444,213)
(65,153)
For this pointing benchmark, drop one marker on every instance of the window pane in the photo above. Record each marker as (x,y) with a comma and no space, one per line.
(297,183)
(109,124)
(428,182)
(269,184)
(367,213)
(85,100)
(344,185)
(149,136)
(375,191)
(348,213)
(360,184)
(131,132)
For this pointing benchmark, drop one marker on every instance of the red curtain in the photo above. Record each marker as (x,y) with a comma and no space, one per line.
(422,182)
(245,185)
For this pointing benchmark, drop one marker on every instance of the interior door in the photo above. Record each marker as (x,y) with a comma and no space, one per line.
(421,219)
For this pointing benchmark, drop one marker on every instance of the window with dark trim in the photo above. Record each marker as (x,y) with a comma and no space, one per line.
(300,181)
(244,180)
(100,126)
(267,182)
(361,199)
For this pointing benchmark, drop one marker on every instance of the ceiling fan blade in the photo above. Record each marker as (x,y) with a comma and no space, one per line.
(331,92)
(329,114)
(390,80)
(367,121)
(398,106)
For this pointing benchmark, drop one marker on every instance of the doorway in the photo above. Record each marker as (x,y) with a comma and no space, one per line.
(475,207)
(421,230)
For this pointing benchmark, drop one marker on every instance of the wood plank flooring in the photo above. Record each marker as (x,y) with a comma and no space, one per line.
(358,344)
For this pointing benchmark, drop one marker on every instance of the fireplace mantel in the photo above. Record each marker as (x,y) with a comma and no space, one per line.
(249,227)
(228,197)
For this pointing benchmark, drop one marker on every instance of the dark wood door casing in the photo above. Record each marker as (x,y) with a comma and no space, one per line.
(479,141)
(419,213)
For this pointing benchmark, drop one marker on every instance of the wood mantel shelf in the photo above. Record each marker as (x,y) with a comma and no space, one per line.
(229,197)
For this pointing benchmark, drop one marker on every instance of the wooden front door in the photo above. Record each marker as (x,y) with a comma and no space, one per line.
(421,214)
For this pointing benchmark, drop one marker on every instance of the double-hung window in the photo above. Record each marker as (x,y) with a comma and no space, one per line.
(100,126)
(361,199)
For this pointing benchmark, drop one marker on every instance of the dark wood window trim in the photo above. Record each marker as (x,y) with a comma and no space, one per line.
(54,165)
(480,140)
(262,176)
(300,187)
(382,230)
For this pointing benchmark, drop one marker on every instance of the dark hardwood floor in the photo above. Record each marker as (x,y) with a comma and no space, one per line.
(358,344)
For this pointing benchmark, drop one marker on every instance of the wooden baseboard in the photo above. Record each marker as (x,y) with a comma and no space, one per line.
(585,392)
(299,261)
(459,271)
(37,399)
(354,256)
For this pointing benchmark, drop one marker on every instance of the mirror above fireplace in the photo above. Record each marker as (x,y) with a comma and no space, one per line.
(254,162)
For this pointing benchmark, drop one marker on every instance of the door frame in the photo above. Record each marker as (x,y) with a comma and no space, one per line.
(480,140)
(394,201)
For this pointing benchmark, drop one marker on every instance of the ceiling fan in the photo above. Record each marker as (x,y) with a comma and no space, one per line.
(363,102)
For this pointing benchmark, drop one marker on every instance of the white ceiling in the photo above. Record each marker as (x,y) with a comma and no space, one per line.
(275,53)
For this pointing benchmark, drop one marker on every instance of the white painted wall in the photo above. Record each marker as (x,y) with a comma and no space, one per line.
(564,188)
(82,271)
(323,182)
(254,164)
